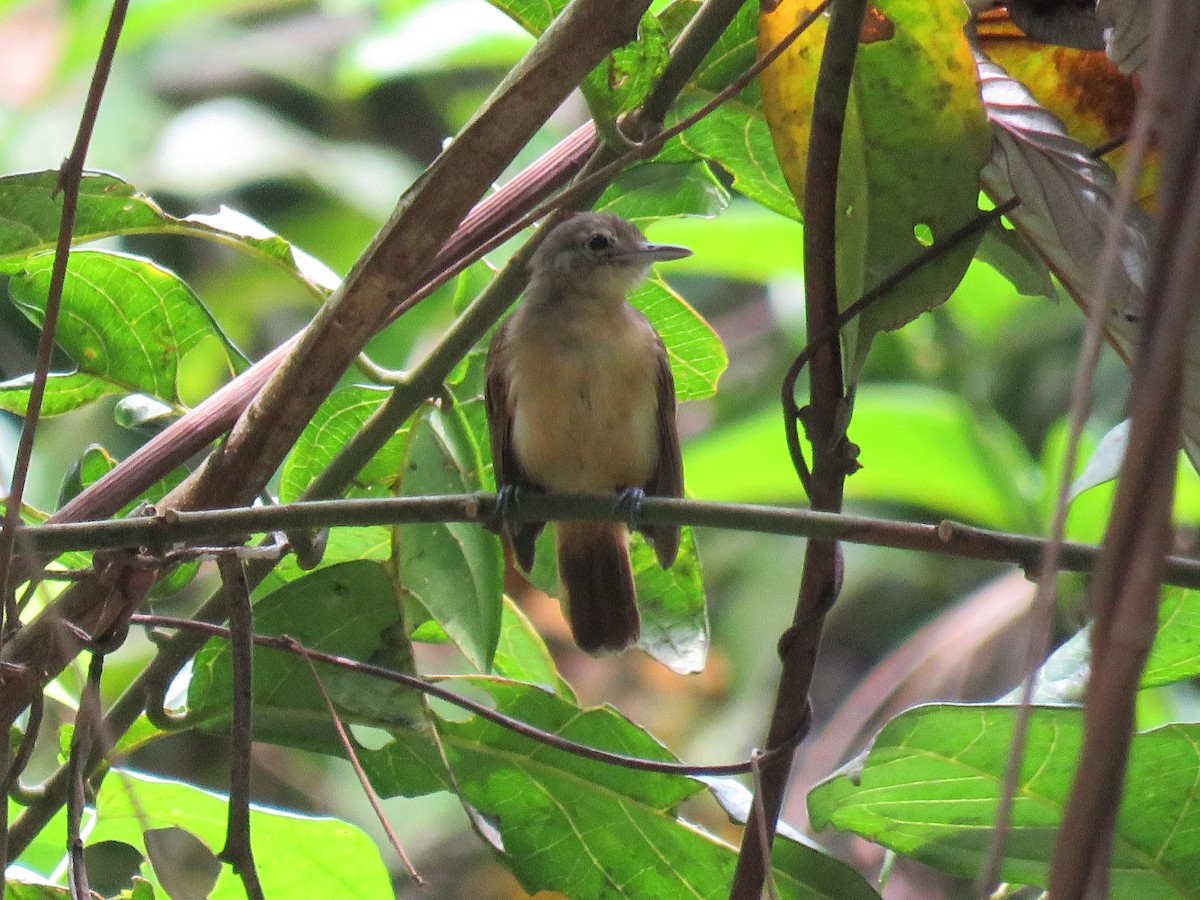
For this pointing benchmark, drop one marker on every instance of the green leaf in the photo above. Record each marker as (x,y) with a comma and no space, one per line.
(17,890)
(735,137)
(652,191)
(696,353)
(912,150)
(584,828)
(671,603)
(296,856)
(621,81)
(125,322)
(1003,248)
(930,788)
(109,206)
(454,569)
(47,850)
(350,610)
(1175,654)
(522,655)
(336,421)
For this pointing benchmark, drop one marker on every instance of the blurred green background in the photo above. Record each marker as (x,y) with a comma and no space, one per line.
(312,118)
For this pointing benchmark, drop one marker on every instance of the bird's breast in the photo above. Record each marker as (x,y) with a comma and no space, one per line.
(584,400)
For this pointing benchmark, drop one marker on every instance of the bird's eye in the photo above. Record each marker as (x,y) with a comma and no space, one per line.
(599,242)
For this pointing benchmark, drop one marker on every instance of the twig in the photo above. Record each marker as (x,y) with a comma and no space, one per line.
(928,256)
(68,182)
(1042,607)
(524,729)
(87,721)
(1124,592)
(237,851)
(28,741)
(348,745)
(821,578)
(760,822)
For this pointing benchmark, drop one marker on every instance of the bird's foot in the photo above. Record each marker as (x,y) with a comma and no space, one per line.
(629,504)
(508,507)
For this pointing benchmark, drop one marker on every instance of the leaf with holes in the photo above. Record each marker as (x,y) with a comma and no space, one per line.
(125,322)
(914,141)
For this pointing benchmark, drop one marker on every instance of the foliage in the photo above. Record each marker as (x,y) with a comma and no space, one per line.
(958,415)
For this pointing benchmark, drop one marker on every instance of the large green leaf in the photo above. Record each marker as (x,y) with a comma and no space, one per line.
(296,856)
(455,569)
(696,353)
(930,788)
(622,81)
(911,154)
(583,828)
(125,322)
(655,190)
(350,610)
(335,422)
(110,206)
(1175,654)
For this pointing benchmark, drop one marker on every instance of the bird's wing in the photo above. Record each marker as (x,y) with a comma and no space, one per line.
(667,480)
(505,467)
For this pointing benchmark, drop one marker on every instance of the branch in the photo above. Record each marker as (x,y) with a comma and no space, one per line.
(69,177)
(1124,592)
(821,579)
(237,851)
(549,739)
(947,538)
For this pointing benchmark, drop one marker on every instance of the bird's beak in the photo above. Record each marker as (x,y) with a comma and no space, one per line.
(647,252)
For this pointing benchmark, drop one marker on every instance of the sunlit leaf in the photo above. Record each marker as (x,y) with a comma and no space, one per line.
(912,149)
(1175,654)
(125,322)
(109,206)
(295,855)
(696,353)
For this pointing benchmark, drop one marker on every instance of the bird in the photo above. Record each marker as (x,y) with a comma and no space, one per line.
(580,399)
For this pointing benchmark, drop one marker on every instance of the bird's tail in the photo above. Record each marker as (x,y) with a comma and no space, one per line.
(597,585)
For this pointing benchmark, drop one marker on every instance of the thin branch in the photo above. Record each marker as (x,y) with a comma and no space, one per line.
(87,722)
(821,579)
(69,177)
(516,726)
(237,851)
(1044,600)
(1124,592)
(945,538)
(348,745)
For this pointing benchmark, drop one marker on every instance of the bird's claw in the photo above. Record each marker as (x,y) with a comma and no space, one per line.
(629,504)
(508,506)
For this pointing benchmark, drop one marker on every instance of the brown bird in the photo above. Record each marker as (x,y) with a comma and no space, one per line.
(580,400)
